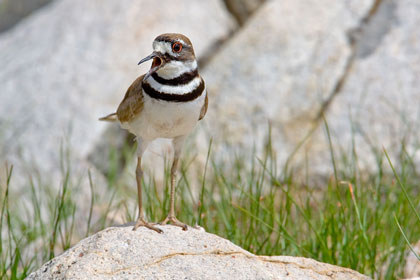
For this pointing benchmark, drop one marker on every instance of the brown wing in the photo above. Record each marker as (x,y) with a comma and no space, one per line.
(132,103)
(204,108)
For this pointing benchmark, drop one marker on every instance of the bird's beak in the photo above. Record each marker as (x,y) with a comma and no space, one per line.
(158,62)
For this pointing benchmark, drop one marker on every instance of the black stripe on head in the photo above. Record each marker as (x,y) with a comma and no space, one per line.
(185,55)
(174,37)
(180,80)
(185,46)
(187,52)
(173,97)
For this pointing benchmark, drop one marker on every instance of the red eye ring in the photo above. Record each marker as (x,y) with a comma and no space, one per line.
(176,47)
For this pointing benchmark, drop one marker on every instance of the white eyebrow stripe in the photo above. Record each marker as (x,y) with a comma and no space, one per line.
(180,89)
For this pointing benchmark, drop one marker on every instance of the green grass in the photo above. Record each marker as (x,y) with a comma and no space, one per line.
(361,221)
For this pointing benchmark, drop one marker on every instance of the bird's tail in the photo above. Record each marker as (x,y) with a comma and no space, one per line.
(110,118)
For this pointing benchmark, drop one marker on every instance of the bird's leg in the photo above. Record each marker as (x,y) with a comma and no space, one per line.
(140,221)
(178,142)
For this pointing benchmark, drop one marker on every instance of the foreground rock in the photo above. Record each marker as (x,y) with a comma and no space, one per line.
(120,253)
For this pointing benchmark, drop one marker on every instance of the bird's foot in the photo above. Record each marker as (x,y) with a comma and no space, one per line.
(142,223)
(174,221)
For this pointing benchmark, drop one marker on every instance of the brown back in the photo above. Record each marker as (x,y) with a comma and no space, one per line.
(132,103)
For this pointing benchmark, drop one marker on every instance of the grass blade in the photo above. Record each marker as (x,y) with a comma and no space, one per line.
(402,186)
(405,237)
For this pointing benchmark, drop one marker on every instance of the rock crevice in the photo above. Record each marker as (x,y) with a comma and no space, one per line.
(362,41)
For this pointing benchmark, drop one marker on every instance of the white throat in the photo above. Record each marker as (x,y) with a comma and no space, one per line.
(174,69)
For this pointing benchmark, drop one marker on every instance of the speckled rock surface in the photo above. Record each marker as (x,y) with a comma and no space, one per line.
(120,253)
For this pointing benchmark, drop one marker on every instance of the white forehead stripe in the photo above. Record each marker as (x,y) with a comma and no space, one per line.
(162,47)
(179,89)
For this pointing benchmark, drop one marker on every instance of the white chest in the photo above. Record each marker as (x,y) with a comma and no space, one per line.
(164,119)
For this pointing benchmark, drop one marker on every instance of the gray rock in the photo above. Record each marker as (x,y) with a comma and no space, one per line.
(71,63)
(242,9)
(279,71)
(12,11)
(354,62)
(121,253)
(379,104)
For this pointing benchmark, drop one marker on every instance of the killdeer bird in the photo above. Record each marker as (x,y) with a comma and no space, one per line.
(166,102)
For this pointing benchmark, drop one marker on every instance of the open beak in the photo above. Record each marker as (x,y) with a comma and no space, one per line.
(157,63)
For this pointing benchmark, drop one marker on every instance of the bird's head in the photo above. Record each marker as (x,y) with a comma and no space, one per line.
(172,55)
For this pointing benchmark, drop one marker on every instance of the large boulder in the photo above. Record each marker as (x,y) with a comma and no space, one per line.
(121,253)
(71,63)
(12,11)
(296,61)
(279,70)
(379,104)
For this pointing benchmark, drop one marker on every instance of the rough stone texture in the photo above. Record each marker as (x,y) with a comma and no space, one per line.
(356,62)
(71,63)
(382,90)
(120,253)
(412,264)
(280,69)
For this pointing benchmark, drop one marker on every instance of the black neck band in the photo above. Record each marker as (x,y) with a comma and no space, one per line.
(180,80)
(173,97)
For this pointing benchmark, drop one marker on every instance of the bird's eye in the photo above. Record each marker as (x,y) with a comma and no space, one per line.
(177,47)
